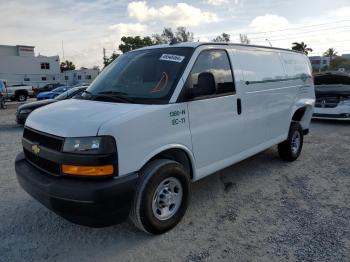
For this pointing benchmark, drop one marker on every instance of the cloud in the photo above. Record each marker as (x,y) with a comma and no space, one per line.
(221,2)
(128,29)
(112,36)
(180,14)
(269,22)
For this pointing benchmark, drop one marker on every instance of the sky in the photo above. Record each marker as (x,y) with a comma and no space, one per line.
(88,26)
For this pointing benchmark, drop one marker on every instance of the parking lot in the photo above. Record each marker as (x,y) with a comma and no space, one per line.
(262,209)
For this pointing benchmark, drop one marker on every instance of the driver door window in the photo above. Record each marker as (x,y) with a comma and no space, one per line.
(213,68)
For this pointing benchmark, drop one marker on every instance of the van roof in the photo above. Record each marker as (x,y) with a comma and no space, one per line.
(197,44)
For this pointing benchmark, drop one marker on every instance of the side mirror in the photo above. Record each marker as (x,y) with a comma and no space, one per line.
(205,86)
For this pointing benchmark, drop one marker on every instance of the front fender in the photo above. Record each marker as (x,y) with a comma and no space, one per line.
(167,147)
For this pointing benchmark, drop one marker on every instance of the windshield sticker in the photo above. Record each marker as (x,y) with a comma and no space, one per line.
(172,58)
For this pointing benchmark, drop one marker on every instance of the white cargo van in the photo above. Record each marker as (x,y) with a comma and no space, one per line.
(156,120)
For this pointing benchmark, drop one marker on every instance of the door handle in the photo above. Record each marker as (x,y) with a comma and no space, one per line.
(239,106)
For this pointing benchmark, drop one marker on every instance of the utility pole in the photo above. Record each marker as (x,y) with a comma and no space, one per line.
(63,52)
(104,55)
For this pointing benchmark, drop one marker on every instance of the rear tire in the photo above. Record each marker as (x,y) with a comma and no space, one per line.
(161,197)
(290,149)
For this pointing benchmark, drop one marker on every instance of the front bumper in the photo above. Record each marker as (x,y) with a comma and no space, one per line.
(336,113)
(94,203)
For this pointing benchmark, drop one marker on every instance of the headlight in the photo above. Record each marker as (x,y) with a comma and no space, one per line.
(25,111)
(90,145)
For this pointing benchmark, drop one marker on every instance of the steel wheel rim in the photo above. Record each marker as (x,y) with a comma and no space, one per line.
(167,198)
(21,98)
(296,139)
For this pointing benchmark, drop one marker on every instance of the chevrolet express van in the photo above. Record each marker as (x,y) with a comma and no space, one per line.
(158,119)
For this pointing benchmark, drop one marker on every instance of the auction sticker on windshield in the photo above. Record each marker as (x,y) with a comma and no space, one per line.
(173,58)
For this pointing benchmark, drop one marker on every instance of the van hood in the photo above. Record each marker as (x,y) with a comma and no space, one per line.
(77,118)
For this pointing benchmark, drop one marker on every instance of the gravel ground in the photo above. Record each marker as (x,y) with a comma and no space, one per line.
(262,209)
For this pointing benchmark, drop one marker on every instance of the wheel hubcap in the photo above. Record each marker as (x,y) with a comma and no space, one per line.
(295,142)
(167,198)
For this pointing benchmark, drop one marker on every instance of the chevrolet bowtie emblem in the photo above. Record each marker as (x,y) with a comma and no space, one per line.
(36,149)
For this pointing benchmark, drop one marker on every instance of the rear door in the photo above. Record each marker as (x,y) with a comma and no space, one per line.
(215,123)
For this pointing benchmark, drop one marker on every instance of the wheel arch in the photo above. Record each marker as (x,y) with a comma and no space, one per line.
(176,152)
(302,113)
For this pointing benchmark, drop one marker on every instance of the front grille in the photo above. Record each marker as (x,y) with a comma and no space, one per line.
(46,140)
(327,102)
(42,163)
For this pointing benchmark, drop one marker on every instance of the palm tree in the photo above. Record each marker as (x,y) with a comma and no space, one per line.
(301,47)
(67,65)
(330,53)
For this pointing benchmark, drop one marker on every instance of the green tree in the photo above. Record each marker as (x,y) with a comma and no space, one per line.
(168,36)
(244,39)
(330,53)
(107,61)
(130,43)
(182,35)
(301,47)
(67,65)
(224,38)
(339,62)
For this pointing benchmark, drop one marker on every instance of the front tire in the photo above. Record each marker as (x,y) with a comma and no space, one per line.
(290,149)
(161,197)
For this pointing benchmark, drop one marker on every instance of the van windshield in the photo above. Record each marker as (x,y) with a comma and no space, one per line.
(144,76)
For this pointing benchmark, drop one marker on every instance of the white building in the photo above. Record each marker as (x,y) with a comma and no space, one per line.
(73,77)
(346,56)
(19,65)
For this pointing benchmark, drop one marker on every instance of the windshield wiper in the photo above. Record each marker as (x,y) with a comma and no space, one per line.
(112,93)
(115,95)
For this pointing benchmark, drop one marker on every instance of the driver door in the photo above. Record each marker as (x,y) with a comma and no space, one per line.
(214,115)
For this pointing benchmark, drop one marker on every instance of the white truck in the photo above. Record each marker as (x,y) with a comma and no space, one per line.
(18,92)
(158,119)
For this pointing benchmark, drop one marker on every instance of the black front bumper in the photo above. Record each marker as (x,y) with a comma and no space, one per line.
(95,203)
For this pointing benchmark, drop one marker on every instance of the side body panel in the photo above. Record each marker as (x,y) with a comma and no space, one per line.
(298,69)
(266,98)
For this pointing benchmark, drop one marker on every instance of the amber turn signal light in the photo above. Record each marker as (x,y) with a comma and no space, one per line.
(88,170)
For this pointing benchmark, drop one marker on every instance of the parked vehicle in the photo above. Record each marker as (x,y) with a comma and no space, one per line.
(52,94)
(2,93)
(156,120)
(46,88)
(23,111)
(18,92)
(332,96)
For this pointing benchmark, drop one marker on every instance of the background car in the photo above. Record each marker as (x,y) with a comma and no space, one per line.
(332,91)
(52,94)
(18,92)
(46,88)
(24,110)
